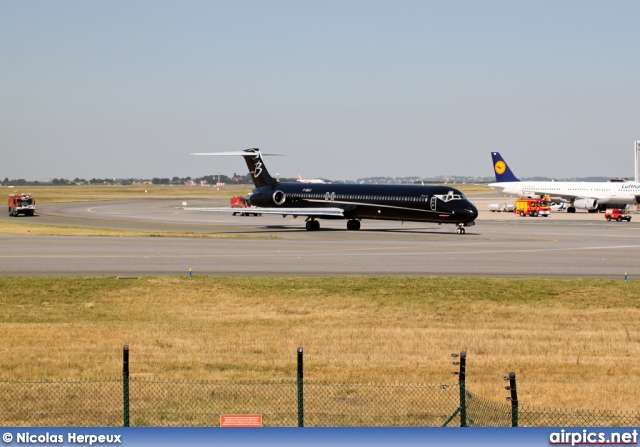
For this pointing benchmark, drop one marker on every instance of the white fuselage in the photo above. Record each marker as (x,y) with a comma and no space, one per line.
(603,192)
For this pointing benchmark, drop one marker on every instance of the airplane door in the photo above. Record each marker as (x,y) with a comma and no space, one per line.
(433,202)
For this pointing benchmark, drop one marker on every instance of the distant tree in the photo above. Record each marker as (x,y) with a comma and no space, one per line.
(245,179)
(207,178)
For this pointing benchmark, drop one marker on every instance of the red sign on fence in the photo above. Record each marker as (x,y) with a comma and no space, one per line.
(241,420)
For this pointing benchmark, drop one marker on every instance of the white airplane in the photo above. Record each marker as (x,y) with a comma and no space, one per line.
(590,196)
(310,180)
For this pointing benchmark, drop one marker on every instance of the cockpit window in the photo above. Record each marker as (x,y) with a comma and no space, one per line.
(451,196)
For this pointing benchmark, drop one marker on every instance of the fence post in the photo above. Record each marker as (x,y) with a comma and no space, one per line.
(125,384)
(462,376)
(513,398)
(300,390)
(463,391)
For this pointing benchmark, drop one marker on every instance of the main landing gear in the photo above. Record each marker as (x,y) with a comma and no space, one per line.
(312,225)
(353,225)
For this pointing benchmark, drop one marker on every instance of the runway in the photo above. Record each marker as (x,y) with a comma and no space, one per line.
(500,244)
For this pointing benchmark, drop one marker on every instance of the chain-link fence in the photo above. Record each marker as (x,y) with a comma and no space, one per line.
(196,404)
(85,403)
(136,402)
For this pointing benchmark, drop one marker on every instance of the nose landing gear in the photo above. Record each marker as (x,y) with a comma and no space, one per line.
(460,229)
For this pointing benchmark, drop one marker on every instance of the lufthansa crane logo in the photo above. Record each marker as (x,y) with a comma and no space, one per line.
(500,167)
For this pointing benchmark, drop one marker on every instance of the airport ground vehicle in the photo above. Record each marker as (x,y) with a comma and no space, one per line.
(21,204)
(616,214)
(241,202)
(533,207)
(502,207)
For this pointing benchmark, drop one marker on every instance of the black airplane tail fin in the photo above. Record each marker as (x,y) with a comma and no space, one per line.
(258,170)
(253,158)
(500,168)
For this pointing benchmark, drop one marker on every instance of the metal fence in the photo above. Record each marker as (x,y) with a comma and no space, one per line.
(136,402)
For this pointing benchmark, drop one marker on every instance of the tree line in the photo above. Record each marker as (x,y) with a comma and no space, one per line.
(207,179)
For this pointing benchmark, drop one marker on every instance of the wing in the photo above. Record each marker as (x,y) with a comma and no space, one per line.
(315,212)
(562,196)
(570,197)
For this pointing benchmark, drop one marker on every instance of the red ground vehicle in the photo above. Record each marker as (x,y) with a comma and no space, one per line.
(533,207)
(241,202)
(21,204)
(616,214)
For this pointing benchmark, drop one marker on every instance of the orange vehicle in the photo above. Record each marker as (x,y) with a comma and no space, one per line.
(616,214)
(533,207)
(238,202)
(241,202)
(21,204)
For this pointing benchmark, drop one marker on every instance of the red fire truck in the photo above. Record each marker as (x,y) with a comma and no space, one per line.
(21,204)
(533,207)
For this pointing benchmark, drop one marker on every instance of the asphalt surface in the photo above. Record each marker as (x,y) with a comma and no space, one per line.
(500,244)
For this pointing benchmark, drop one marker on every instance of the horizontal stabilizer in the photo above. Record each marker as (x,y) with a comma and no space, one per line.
(240,153)
(253,158)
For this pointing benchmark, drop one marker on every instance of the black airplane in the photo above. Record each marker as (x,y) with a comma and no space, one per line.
(353,202)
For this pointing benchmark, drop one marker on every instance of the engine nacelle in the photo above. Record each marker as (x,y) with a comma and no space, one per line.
(585,204)
(279,197)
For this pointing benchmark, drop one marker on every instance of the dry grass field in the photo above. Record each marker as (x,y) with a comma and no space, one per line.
(574,344)
(91,193)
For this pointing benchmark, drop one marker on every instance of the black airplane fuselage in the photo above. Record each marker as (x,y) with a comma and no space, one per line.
(353,202)
(441,204)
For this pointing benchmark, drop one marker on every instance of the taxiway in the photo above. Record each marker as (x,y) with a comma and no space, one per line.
(500,244)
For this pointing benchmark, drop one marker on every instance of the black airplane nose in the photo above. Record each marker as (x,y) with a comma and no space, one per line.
(471,211)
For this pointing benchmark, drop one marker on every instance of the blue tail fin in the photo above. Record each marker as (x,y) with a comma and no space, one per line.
(502,171)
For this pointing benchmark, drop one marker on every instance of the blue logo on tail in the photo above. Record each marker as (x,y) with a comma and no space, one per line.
(502,171)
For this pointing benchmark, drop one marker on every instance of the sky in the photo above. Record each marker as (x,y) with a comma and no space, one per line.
(344,88)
